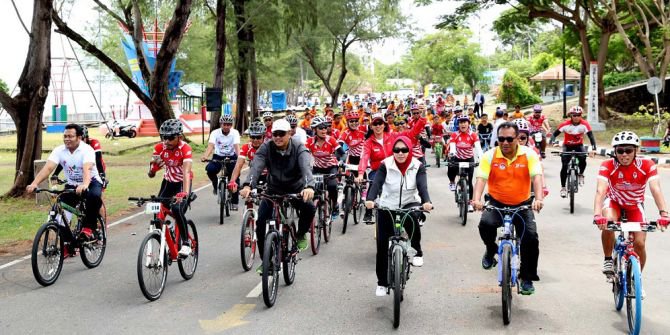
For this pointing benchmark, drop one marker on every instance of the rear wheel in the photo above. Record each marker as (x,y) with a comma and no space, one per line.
(271,266)
(132,133)
(314,231)
(47,254)
(151,272)
(397,284)
(92,252)
(188,264)
(327,224)
(634,297)
(507,284)
(348,202)
(572,183)
(222,201)
(288,263)
(248,240)
(617,280)
(358,204)
(464,195)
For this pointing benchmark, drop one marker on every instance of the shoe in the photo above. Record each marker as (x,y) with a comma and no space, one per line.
(233,207)
(259,270)
(214,190)
(471,209)
(381,291)
(581,180)
(333,217)
(452,187)
(86,234)
(543,155)
(488,263)
(564,192)
(185,250)
(527,287)
(367,218)
(302,243)
(608,267)
(417,261)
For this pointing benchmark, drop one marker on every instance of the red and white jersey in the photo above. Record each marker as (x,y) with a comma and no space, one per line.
(417,150)
(95,144)
(465,143)
(626,184)
(268,133)
(335,134)
(437,129)
(363,127)
(354,139)
(247,152)
(324,154)
(574,134)
(173,160)
(535,123)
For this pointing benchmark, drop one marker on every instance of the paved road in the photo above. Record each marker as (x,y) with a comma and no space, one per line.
(334,291)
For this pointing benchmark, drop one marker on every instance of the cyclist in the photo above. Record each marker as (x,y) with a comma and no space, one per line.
(225,142)
(81,174)
(464,146)
(177,157)
(289,170)
(267,121)
(331,131)
(99,162)
(622,181)
(306,121)
(484,130)
(517,114)
(539,123)
(526,140)
(509,171)
(574,130)
(326,153)
(247,152)
(353,138)
(437,131)
(297,133)
(400,182)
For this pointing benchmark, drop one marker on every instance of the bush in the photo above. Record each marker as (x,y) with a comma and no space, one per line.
(515,90)
(617,78)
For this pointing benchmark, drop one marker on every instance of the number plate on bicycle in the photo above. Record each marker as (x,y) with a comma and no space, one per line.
(464,165)
(351,167)
(631,226)
(152,208)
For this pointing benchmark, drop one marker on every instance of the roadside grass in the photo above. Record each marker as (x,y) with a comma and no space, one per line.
(109,146)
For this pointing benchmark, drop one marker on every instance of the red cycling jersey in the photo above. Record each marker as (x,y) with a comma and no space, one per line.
(574,134)
(465,143)
(626,184)
(535,123)
(95,144)
(354,139)
(268,133)
(437,129)
(335,134)
(324,154)
(173,161)
(375,151)
(247,152)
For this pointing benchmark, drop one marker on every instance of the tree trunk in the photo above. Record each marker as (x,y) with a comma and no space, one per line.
(603,113)
(582,83)
(254,77)
(219,57)
(243,46)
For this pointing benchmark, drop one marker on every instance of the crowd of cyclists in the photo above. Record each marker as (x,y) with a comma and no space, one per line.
(387,140)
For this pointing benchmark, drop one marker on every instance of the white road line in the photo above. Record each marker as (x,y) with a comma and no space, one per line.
(16,261)
(256,291)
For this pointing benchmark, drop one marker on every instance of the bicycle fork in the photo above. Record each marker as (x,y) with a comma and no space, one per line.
(507,239)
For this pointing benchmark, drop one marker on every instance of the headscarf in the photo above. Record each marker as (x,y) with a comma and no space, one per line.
(403,166)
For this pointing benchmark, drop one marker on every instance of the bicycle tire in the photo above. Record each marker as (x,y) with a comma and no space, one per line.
(288,263)
(617,287)
(95,248)
(51,251)
(358,204)
(222,202)
(271,267)
(465,197)
(634,296)
(189,264)
(438,154)
(314,231)
(327,225)
(348,202)
(398,270)
(248,240)
(506,284)
(155,271)
(572,180)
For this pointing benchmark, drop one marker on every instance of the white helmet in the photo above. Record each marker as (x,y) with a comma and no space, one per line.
(522,124)
(267,115)
(626,138)
(317,121)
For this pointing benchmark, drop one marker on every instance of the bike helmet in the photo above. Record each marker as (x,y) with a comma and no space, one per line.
(537,108)
(462,119)
(170,127)
(257,128)
(414,107)
(351,115)
(522,125)
(458,109)
(317,121)
(576,110)
(84,132)
(267,115)
(292,120)
(226,119)
(626,138)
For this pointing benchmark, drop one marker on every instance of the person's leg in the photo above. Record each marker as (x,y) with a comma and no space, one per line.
(235,197)
(582,161)
(212,170)
(530,245)
(384,231)
(264,214)
(413,229)
(564,169)
(636,214)
(488,229)
(93,200)
(307,211)
(331,186)
(452,171)
(471,172)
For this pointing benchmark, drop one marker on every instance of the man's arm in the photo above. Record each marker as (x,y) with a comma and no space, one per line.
(210,148)
(554,135)
(305,163)
(655,188)
(98,162)
(48,168)
(545,126)
(237,149)
(601,191)
(592,139)
(186,184)
(239,165)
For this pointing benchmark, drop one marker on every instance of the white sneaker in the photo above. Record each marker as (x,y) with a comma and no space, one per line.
(185,251)
(381,291)
(417,261)
(471,209)
(452,187)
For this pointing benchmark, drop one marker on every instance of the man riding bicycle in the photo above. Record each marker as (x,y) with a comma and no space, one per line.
(622,181)
(267,121)
(463,146)
(509,171)
(539,124)
(574,130)
(297,133)
(247,152)
(78,161)
(99,162)
(176,157)
(225,142)
(289,166)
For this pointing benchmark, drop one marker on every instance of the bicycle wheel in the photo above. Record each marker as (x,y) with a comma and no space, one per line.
(188,264)
(46,257)
(507,283)
(314,231)
(92,252)
(358,205)
(271,267)
(222,201)
(398,270)
(617,280)
(438,154)
(289,254)
(326,225)
(634,296)
(347,202)
(248,240)
(572,180)
(151,274)
(465,197)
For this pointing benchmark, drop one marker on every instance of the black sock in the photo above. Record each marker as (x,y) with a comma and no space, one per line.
(608,258)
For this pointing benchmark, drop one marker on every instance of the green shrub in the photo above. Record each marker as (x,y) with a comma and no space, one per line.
(515,90)
(617,78)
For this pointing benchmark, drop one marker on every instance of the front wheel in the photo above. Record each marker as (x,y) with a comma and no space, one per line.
(348,201)
(327,224)
(314,227)
(151,270)
(398,270)
(465,197)
(271,266)
(358,204)
(47,254)
(132,133)
(222,201)
(634,296)
(188,264)
(289,255)
(248,240)
(506,283)
(92,252)
(617,280)
(572,188)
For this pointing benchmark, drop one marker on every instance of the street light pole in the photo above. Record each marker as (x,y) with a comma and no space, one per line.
(565,101)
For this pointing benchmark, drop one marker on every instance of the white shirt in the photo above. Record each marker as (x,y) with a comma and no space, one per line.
(73,162)
(478,98)
(300,135)
(494,133)
(224,145)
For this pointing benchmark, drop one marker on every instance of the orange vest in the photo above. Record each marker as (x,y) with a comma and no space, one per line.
(504,180)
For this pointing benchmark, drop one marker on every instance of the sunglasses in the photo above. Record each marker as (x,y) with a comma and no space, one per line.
(267,120)
(627,151)
(377,123)
(353,121)
(523,138)
(400,124)
(279,133)
(256,137)
(322,127)
(398,150)
(503,139)
(416,113)
(168,138)
(293,126)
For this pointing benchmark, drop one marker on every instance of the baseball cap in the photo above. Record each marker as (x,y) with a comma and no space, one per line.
(281,125)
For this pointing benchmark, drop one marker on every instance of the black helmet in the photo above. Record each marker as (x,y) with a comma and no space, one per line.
(170,127)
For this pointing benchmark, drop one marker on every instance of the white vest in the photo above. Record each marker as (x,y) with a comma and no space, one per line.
(391,192)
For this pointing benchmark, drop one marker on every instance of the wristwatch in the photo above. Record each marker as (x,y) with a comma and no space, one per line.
(662,211)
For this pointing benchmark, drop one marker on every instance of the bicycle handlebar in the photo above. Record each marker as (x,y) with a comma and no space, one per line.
(510,209)
(224,161)
(569,153)
(404,210)
(63,191)
(153,198)
(644,226)
(279,197)
(457,164)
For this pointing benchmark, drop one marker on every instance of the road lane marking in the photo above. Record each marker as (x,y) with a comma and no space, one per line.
(229,319)
(256,291)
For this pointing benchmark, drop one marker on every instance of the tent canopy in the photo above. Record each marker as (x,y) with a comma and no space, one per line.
(556,73)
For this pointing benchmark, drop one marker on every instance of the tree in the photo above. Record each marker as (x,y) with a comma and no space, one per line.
(157,80)
(220,54)
(514,90)
(245,47)
(27,107)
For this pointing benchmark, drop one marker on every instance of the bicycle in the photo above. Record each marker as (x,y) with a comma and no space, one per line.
(485,140)
(322,224)
(223,198)
(538,138)
(573,172)
(627,278)
(248,237)
(399,254)
(58,239)
(353,200)
(281,251)
(160,247)
(463,188)
(508,254)
(438,147)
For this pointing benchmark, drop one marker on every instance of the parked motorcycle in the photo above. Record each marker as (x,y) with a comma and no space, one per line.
(119,130)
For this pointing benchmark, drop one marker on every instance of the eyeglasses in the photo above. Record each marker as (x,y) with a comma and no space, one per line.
(523,138)
(627,151)
(398,150)
(416,113)
(321,127)
(377,123)
(168,138)
(256,137)
(503,139)
(400,124)
(279,133)
(293,126)
(227,124)
(354,121)
(267,120)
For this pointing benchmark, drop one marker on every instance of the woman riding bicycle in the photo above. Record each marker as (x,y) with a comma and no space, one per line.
(464,146)
(353,137)
(526,140)
(247,152)
(400,182)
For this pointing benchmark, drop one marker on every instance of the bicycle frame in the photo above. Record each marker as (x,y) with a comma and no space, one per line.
(509,238)
(276,223)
